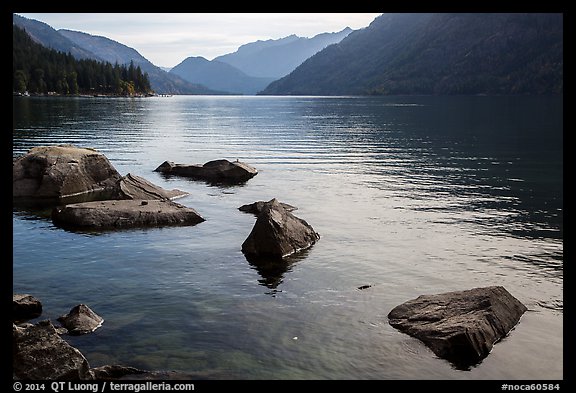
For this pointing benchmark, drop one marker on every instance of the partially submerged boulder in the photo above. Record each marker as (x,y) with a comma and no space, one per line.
(218,171)
(68,174)
(257,207)
(39,353)
(460,326)
(277,233)
(56,172)
(25,307)
(136,187)
(81,320)
(113,214)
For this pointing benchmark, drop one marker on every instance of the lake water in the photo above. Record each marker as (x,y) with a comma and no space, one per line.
(410,195)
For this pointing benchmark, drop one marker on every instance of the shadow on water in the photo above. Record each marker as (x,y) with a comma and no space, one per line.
(273,270)
(222,184)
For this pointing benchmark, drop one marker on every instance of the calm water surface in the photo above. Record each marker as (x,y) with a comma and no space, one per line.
(411,195)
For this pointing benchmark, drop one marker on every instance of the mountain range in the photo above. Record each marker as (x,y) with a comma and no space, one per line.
(277,58)
(416,53)
(443,53)
(219,76)
(253,66)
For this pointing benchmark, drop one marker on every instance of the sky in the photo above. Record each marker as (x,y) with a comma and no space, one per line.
(166,39)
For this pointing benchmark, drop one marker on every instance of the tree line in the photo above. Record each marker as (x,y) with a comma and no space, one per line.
(40,70)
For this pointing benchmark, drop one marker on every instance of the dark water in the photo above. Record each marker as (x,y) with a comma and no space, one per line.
(411,195)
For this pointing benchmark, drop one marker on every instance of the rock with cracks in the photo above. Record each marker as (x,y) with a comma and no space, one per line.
(51,173)
(461,326)
(25,307)
(68,174)
(217,171)
(277,233)
(81,320)
(39,353)
(136,187)
(117,214)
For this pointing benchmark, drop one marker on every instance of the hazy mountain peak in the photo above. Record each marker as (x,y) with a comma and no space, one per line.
(276,58)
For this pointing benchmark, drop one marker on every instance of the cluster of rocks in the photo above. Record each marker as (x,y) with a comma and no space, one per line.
(461,327)
(90,194)
(40,352)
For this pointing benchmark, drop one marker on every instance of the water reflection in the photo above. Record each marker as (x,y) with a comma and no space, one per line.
(273,271)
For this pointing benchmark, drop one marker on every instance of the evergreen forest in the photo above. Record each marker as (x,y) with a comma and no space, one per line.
(40,70)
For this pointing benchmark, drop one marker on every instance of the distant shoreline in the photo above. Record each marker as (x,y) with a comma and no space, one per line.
(95,95)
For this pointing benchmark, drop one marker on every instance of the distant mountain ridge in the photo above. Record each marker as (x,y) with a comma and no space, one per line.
(219,76)
(50,38)
(277,58)
(83,45)
(438,54)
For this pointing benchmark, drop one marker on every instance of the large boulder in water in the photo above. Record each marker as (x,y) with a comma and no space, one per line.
(277,233)
(460,326)
(116,214)
(217,171)
(81,320)
(56,172)
(67,174)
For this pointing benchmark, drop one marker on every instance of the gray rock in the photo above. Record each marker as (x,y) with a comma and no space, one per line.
(56,172)
(114,214)
(81,320)
(277,233)
(218,171)
(39,353)
(68,174)
(460,326)
(25,307)
(257,207)
(136,187)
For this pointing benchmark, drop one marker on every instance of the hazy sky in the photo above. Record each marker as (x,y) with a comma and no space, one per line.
(166,39)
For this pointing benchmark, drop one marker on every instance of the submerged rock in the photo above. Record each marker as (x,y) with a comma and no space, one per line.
(115,214)
(460,326)
(220,171)
(113,372)
(81,320)
(25,307)
(277,233)
(56,172)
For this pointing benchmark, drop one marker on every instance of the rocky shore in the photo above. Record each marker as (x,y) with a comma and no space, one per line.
(40,352)
(87,192)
